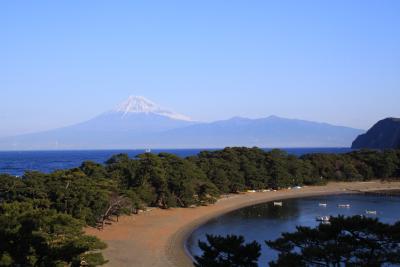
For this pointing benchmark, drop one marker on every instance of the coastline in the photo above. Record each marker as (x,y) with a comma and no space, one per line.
(157,238)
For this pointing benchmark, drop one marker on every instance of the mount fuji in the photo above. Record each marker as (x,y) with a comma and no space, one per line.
(135,115)
(139,123)
(129,122)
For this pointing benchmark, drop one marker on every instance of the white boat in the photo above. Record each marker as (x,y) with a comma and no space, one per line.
(323,204)
(148,150)
(280,204)
(371,212)
(323,218)
(344,205)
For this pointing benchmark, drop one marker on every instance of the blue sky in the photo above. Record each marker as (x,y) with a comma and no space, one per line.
(66,61)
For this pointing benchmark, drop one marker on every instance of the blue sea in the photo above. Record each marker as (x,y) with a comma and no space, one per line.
(18,162)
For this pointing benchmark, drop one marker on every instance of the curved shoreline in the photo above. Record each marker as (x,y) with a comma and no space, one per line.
(191,228)
(157,238)
(175,256)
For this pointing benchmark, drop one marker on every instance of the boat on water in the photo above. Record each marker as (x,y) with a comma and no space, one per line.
(371,212)
(147,150)
(323,219)
(323,205)
(280,204)
(344,206)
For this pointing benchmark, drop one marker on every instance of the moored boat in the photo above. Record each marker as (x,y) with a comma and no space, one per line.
(371,212)
(323,218)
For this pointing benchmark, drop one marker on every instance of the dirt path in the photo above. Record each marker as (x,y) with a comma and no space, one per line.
(156,238)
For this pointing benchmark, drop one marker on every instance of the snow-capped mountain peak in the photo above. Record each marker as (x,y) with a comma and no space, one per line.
(137,104)
(140,104)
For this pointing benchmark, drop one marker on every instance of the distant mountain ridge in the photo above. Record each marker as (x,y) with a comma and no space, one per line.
(139,123)
(271,131)
(385,134)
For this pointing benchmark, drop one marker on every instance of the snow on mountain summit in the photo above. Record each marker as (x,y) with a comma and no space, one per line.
(139,104)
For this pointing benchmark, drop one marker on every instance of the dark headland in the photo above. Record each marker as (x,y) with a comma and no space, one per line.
(385,134)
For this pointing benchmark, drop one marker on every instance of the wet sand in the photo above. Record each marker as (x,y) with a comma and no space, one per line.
(156,238)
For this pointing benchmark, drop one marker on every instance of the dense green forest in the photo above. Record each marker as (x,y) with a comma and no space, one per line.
(48,211)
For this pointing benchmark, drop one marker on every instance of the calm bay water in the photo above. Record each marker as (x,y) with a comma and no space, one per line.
(17,162)
(266,221)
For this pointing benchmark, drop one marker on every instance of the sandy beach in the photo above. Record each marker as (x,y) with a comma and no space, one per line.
(156,238)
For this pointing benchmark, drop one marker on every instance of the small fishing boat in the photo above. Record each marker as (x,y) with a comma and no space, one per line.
(344,205)
(280,204)
(323,204)
(371,212)
(323,218)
